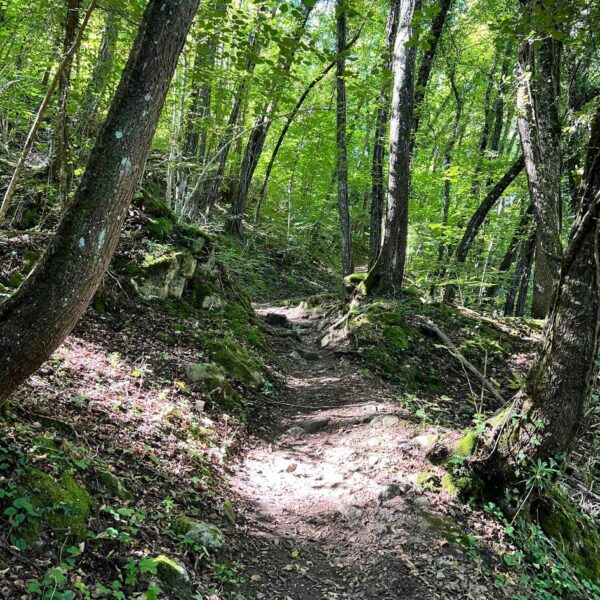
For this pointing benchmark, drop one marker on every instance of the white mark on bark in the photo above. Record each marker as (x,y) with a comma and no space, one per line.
(101,238)
(125,164)
(81,242)
(148,97)
(119,135)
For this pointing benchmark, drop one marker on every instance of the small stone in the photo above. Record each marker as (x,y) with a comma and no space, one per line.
(440,575)
(295,431)
(208,536)
(390,491)
(295,356)
(385,421)
(314,425)
(308,354)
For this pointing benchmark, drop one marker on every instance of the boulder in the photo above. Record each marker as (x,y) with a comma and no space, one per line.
(208,536)
(277,320)
(173,573)
(114,486)
(313,425)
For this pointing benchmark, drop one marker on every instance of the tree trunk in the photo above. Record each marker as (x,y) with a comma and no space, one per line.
(63,147)
(12,186)
(478,218)
(102,71)
(539,128)
(388,272)
(427,63)
(381,123)
(258,135)
(546,417)
(342,141)
(37,318)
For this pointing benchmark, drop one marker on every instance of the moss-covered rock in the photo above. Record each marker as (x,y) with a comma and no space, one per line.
(236,361)
(574,533)
(212,379)
(160,228)
(172,572)
(206,535)
(63,505)
(114,486)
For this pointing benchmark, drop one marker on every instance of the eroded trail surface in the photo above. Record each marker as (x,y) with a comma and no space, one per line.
(331,508)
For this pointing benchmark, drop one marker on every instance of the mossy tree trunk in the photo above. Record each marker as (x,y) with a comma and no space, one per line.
(37,318)
(546,417)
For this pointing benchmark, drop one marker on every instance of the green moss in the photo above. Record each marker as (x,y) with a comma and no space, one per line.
(64,506)
(160,228)
(30,218)
(466,445)
(236,361)
(15,279)
(575,534)
(173,574)
(156,208)
(165,338)
(30,259)
(181,525)
(114,486)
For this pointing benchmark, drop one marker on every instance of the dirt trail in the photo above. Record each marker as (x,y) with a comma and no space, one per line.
(330,508)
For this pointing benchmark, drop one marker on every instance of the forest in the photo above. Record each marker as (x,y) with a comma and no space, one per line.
(299,299)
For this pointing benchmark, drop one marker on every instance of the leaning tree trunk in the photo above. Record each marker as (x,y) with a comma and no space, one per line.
(342,142)
(479,217)
(546,417)
(381,123)
(388,272)
(539,128)
(426,65)
(47,306)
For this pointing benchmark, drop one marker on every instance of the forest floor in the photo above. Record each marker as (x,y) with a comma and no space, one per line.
(331,489)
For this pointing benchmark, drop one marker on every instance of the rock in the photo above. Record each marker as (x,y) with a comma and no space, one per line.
(114,486)
(172,572)
(422,502)
(295,431)
(308,354)
(176,287)
(289,333)
(188,265)
(294,355)
(438,454)
(425,442)
(277,320)
(156,275)
(208,536)
(213,302)
(302,330)
(313,425)
(385,421)
(390,491)
(212,379)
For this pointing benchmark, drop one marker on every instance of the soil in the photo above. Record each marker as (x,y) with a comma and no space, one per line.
(329,501)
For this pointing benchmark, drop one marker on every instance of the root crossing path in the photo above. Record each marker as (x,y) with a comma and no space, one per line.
(328,493)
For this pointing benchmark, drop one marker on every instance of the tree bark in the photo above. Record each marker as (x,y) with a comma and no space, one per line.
(37,318)
(388,272)
(539,128)
(342,141)
(545,419)
(381,123)
(63,147)
(426,65)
